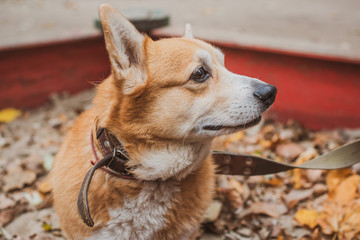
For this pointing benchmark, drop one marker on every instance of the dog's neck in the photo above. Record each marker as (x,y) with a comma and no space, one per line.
(170,160)
(151,159)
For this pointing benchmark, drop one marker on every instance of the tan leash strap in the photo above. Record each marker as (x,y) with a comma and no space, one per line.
(228,163)
(250,165)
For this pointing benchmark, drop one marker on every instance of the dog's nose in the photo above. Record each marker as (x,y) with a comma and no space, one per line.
(266,93)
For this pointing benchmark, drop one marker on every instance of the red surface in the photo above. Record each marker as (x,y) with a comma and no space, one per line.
(318,91)
(29,75)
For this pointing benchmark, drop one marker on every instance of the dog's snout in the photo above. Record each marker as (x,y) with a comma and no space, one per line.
(266,93)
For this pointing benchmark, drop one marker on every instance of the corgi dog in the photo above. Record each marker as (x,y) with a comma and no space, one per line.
(163,104)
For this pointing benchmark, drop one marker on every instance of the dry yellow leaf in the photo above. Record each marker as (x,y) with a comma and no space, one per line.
(309,153)
(334,178)
(350,222)
(235,184)
(266,144)
(352,216)
(44,187)
(234,138)
(274,181)
(281,236)
(299,177)
(9,114)
(307,217)
(233,198)
(346,190)
(340,219)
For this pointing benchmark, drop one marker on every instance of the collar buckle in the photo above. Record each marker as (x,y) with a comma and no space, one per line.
(110,146)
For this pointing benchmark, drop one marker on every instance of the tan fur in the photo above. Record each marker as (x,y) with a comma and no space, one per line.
(150,104)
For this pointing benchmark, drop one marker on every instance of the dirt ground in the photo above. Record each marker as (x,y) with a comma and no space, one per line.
(293,205)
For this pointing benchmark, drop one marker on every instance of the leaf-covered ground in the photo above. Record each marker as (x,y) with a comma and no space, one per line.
(293,205)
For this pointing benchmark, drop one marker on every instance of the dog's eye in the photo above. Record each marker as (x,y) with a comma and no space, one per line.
(200,75)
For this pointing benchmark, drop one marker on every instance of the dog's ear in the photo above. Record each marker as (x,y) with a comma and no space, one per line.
(125,46)
(188,31)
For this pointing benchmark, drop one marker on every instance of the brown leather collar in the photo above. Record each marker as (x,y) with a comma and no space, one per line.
(111,146)
(115,158)
(113,163)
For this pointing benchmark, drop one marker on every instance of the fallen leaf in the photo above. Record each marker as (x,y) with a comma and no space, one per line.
(47,227)
(34,163)
(274,180)
(297,195)
(319,189)
(48,161)
(231,190)
(313,175)
(212,212)
(30,224)
(234,138)
(301,234)
(340,219)
(233,198)
(33,198)
(245,232)
(307,217)
(287,134)
(266,143)
(9,114)
(347,190)
(222,182)
(299,179)
(236,185)
(4,141)
(334,177)
(316,234)
(350,223)
(44,187)
(306,155)
(289,150)
(274,210)
(250,138)
(6,234)
(6,202)
(9,214)
(268,129)
(331,139)
(17,178)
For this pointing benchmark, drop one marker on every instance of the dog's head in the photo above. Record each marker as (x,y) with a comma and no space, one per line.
(177,89)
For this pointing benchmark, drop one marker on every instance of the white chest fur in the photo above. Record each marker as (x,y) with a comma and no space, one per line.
(139,218)
(172,160)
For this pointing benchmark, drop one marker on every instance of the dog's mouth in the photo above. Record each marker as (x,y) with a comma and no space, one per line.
(242,126)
